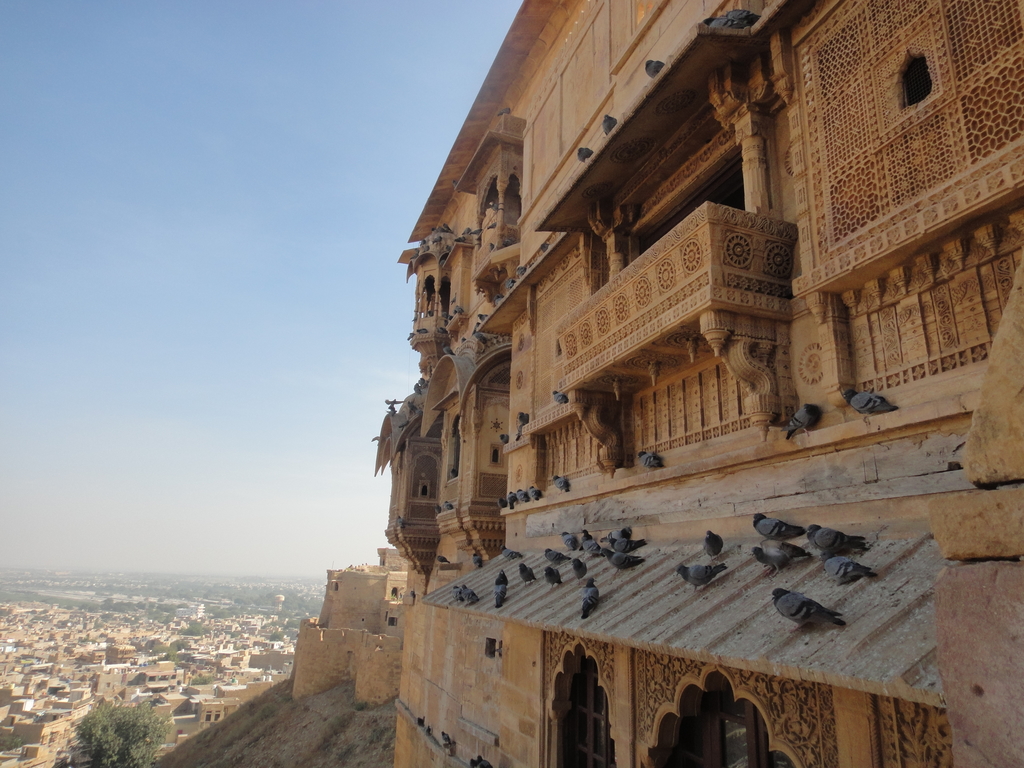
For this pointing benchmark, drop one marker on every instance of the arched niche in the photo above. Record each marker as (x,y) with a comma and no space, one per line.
(566,656)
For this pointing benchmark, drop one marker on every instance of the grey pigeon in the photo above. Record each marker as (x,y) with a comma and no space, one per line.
(422,330)
(478,561)
(561,483)
(621,560)
(535,493)
(520,271)
(735,19)
(457,593)
(502,503)
(792,550)
(801,609)
(774,558)
(510,284)
(628,545)
(590,598)
(771,528)
(526,573)
(446,739)
(523,418)
(555,557)
(503,438)
(843,569)
(589,544)
(511,499)
(608,124)
(831,540)
(583,154)
(522,496)
(570,541)
(470,595)
(400,521)
(505,111)
(560,397)
(620,533)
(652,67)
(501,578)
(492,225)
(511,554)
(448,504)
(713,544)
(481,318)
(500,593)
(700,575)
(804,419)
(552,576)
(459,310)
(579,568)
(867,402)
(650,460)
(443,559)
(479,762)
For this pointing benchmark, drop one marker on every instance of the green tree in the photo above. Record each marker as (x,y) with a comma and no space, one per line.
(275,636)
(9,742)
(201,679)
(195,629)
(121,737)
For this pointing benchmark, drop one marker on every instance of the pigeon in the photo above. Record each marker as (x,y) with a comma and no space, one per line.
(534,492)
(503,438)
(526,573)
(477,560)
(497,297)
(560,397)
(522,496)
(443,559)
(447,350)
(583,154)
(771,528)
(505,111)
(470,595)
(652,67)
(804,419)
(792,550)
(544,247)
(650,460)
(458,311)
(448,504)
(589,545)
(481,337)
(621,560)
(510,284)
(429,730)
(570,541)
(713,544)
(501,578)
(608,124)
(590,598)
(520,271)
(492,225)
(775,559)
(523,418)
(400,521)
(552,576)
(422,330)
(627,545)
(510,554)
(831,540)
(843,569)
(481,318)
(446,739)
(511,499)
(500,593)
(479,762)
(419,721)
(561,483)
(700,575)
(620,533)
(735,19)
(867,402)
(579,568)
(437,509)
(801,609)
(502,502)
(457,593)
(555,557)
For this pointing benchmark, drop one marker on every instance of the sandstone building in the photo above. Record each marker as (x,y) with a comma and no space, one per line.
(692,225)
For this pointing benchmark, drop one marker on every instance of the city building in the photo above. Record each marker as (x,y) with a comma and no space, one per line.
(664,229)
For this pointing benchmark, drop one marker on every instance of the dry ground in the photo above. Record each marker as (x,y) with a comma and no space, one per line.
(273,731)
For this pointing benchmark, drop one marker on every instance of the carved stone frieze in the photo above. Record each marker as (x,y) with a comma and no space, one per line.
(913,735)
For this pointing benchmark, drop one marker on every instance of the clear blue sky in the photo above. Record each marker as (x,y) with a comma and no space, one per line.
(201,209)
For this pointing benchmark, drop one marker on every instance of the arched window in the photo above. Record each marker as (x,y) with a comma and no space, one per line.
(428,293)
(456,448)
(586,740)
(445,294)
(513,201)
(917,81)
(725,733)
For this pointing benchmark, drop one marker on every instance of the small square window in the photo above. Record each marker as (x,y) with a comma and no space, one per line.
(492,647)
(392,621)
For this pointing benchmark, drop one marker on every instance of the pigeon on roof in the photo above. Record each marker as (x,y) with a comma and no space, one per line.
(801,609)
(772,528)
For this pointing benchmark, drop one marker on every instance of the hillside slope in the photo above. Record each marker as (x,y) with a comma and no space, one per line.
(274,731)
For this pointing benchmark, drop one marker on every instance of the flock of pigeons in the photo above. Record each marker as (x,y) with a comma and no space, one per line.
(776,553)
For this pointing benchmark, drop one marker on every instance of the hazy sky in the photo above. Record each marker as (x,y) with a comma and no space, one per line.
(201,209)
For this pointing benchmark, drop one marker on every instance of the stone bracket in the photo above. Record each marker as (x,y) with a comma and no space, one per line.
(602,418)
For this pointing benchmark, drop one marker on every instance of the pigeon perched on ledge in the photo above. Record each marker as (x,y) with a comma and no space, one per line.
(713,544)
(590,598)
(735,19)
(843,569)
(650,460)
(771,528)
(478,561)
(579,568)
(560,397)
(570,541)
(831,540)
(555,557)
(774,559)
(526,573)
(552,576)
(700,575)
(868,402)
(804,419)
(500,593)
(621,560)
(608,124)
(511,554)
(589,544)
(801,609)
(653,67)
(561,483)
(583,154)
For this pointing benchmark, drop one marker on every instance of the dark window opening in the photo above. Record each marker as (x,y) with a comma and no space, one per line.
(491,200)
(727,732)
(917,81)
(513,202)
(424,490)
(393,621)
(394,591)
(456,448)
(492,647)
(586,742)
(336,585)
(495,456)
(445,294)
(726,188)
(428,293)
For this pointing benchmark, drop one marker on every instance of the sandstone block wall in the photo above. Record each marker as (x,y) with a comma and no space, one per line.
(325,658)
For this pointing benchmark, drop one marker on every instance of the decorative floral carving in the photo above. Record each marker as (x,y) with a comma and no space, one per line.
(738,252)
(666,275)
(586,335)
(778,260)
(642,291)
(569,344)
(632,150)
(914,735)
(621,306)
(597,191)
(603,321)
(692,256)
(519,380)
(809,366)
(675,102)
(658,681)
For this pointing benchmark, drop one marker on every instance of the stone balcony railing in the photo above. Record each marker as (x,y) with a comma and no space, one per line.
(717,258)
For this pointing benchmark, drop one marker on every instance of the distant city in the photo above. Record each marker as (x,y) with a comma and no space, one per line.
(192,647)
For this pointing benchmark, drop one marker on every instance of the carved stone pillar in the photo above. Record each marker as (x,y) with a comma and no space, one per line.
(834,336)
(752,131)
(614,225)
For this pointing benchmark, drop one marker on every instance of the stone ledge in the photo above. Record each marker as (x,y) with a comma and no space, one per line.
(978,525)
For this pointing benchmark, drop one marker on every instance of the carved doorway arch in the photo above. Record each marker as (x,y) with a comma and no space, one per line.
(581,704)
